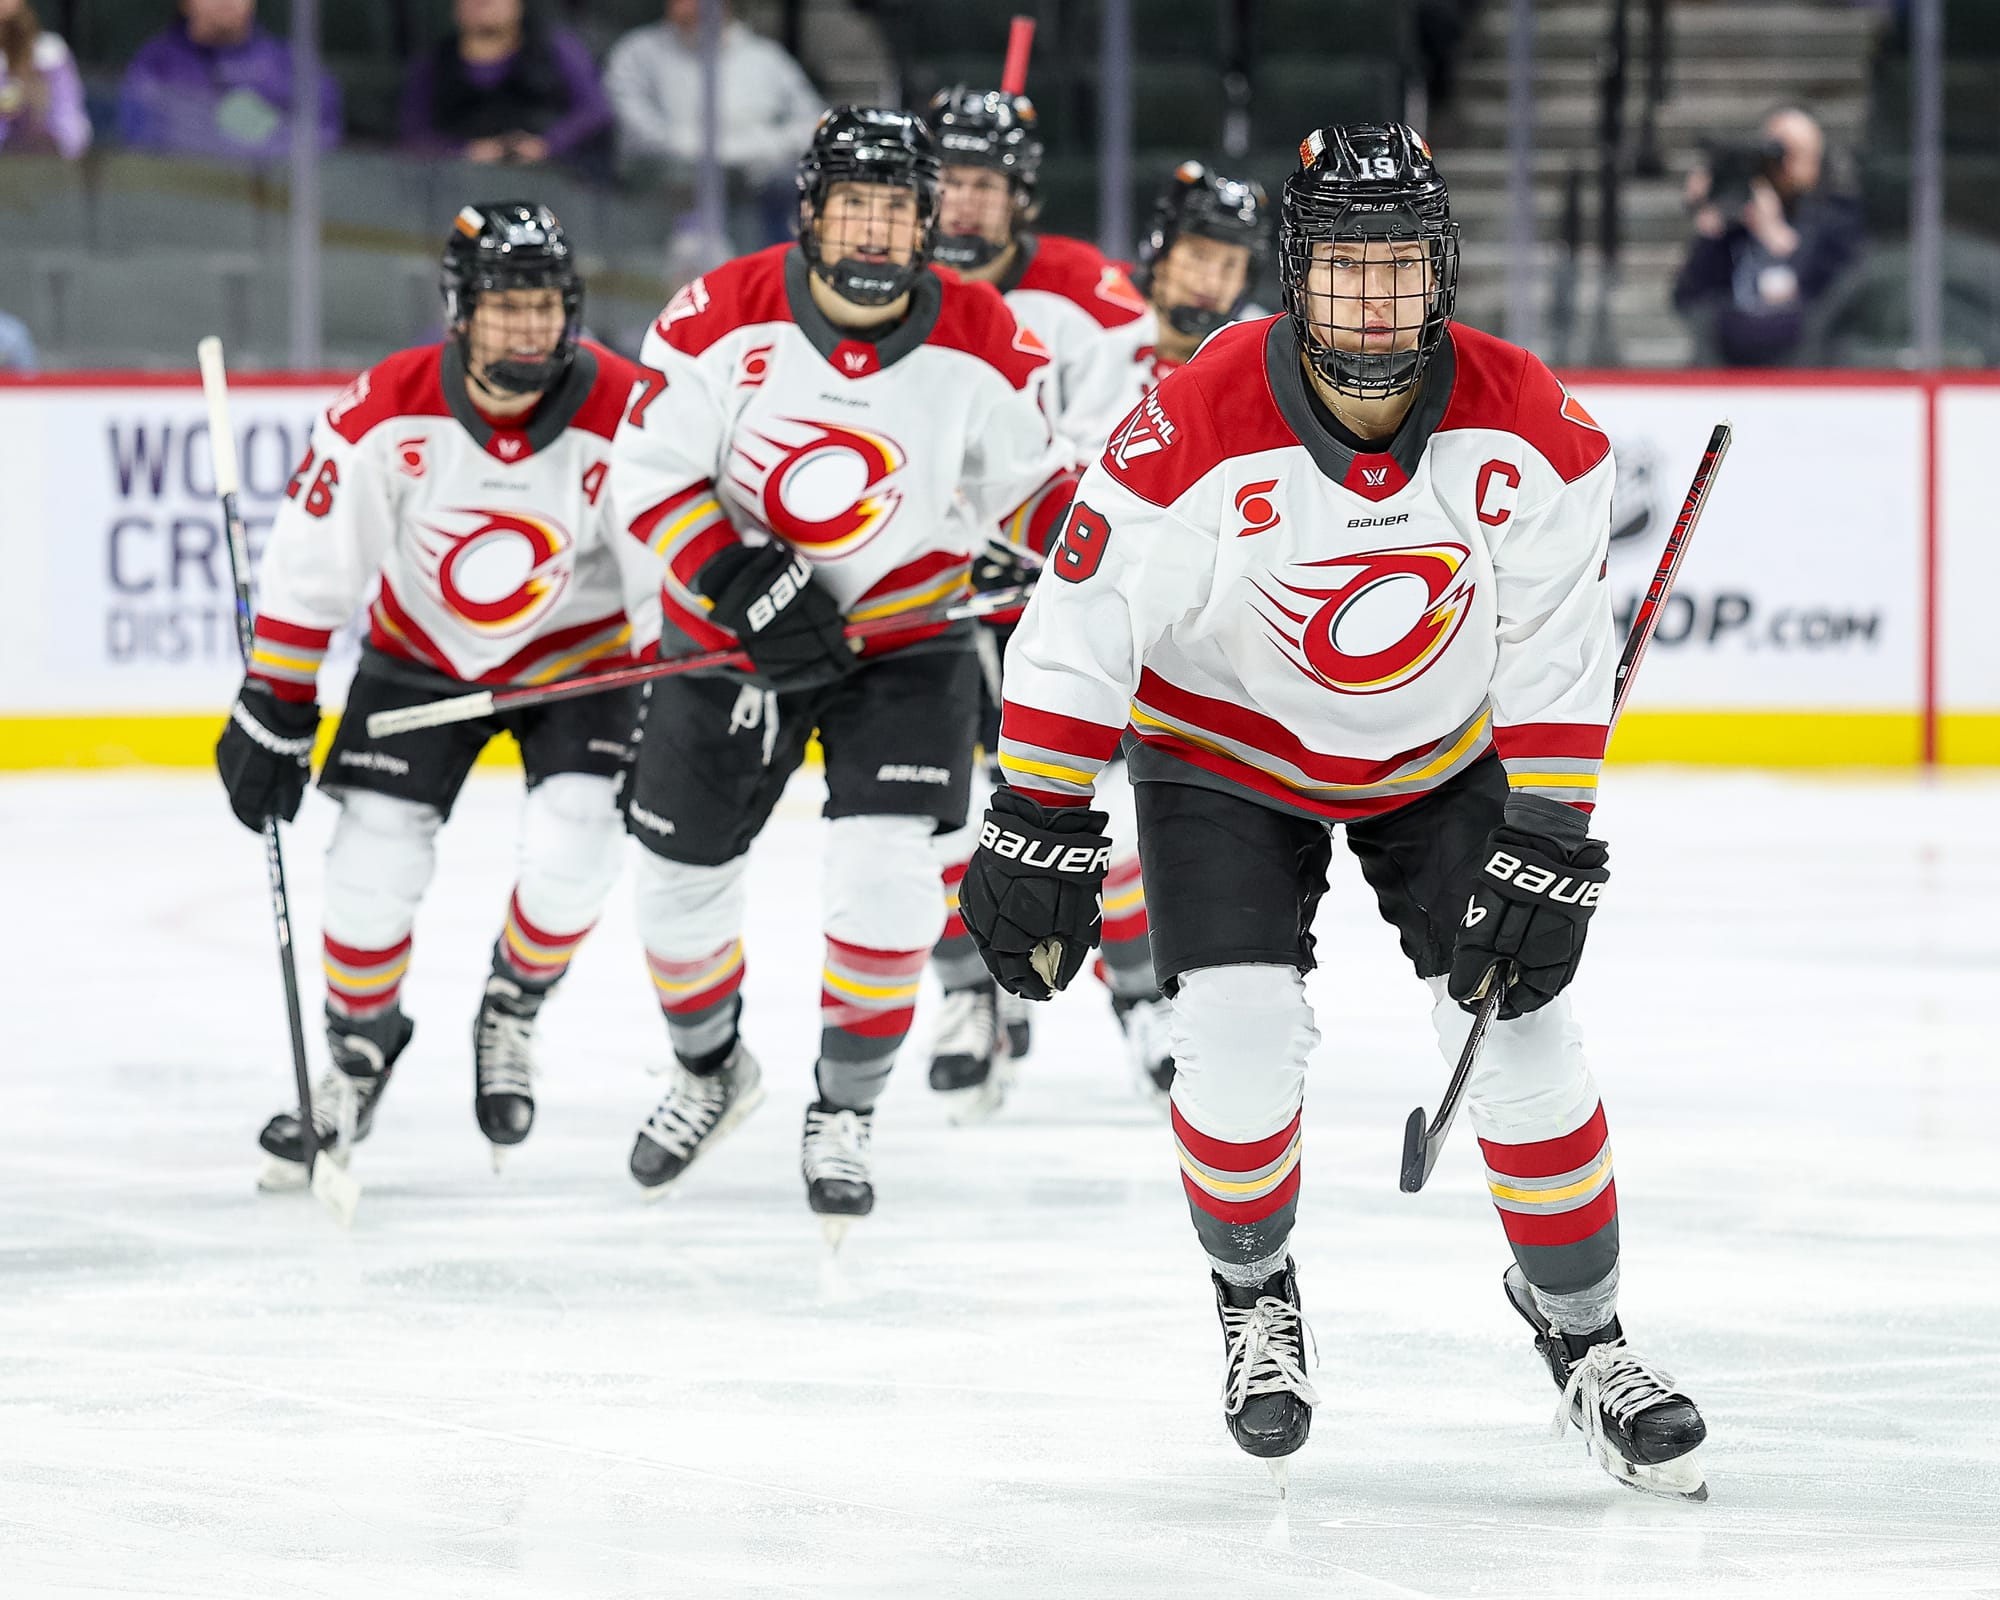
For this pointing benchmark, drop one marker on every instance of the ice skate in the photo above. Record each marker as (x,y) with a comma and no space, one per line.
(1151,1051)
(697,1109)
(364,1054)
(1016,1024)
(834,1159)
(970,1065)
(503,1064)
(1267,1399)
(1640,1429)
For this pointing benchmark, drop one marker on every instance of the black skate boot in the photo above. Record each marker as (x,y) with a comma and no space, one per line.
(704,1100)
(503,1063)
(364,1054)
(1266,1399)
(1016,1024)
(835,1162)
(1144,1021)
(1641,1429)
(969,1063)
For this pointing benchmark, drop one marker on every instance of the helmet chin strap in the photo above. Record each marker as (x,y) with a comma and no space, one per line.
(1196,322)
(966,252)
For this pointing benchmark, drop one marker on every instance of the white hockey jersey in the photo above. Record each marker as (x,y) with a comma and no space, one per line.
(499,550)
(885,463)
(1095,324)
(1329,632)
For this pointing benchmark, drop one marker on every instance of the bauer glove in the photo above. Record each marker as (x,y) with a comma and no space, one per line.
(789,626)
(1527,906)
(265,754)
(1030,898)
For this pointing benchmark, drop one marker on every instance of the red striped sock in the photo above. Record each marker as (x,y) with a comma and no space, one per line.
(866,999)
(364,983)
(1243,1194)
(1558,1205)
(533,955)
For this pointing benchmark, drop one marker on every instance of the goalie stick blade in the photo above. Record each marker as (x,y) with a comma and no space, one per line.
(335,1188)
(1418,1154)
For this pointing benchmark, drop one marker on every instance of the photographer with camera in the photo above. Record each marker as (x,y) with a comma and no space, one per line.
(1771,239)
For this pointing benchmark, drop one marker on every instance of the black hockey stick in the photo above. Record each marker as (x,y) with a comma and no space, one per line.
(485,702)
(1421,1143)
(335,1188)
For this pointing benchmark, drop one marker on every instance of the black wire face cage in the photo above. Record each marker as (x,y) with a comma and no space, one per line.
(516,376)
(1409,300)
(1205,205)
(869,283)
(995,132)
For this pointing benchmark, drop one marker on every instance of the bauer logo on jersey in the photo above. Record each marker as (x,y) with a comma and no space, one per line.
(1369,623)
(1146,432)
(824,488)
(498,570)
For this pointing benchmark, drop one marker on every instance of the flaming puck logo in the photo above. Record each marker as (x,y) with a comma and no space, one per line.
(502,572)
(1358,635)
(826,493)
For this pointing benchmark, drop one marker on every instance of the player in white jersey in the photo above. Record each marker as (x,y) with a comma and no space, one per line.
(839,429)
(1346,569)
(467,483)
(1096,327)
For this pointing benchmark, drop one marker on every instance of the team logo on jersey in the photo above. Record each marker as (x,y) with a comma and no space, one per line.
(829,492)
(1146,432)
(756,367)
(1253,505)
(410,460)
(1113,285)
(691,300)
(499,570)
(1390,614)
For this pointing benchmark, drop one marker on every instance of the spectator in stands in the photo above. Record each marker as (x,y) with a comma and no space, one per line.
(767,109)
(216,84)
(507,85)
(41,96)
(1758,266)
(17,346)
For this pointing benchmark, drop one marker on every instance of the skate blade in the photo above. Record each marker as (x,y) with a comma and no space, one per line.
(834,1230)
(499,1155)
(1679,1479)
(1280,1468)
(280,1176)
(727,1122)
(335,1188)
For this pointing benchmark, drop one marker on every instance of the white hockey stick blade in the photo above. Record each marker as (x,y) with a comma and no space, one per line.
(431,714)
(336,1189)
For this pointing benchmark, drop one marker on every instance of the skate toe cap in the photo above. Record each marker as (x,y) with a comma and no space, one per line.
(506,1119)
(652,1164)
(1667,1431)
(959,1072)
(835,1197)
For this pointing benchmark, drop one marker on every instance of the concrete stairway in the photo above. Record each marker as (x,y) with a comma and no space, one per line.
(1728,62)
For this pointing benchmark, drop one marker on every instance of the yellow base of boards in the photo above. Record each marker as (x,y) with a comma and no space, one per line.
(1693,738)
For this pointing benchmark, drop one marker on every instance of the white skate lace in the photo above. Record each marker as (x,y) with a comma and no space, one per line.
(506,1061)
(836,1146)
(1264,1354)
(967,1026)
(336,1109)
(1609,1378)
(689,1109)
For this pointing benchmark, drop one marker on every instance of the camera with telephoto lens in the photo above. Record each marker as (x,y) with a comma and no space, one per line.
(1733,163)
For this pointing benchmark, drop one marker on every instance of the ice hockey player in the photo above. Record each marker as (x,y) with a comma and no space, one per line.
(469,478)
(1346,571)
(1096,327)
(839,428)
(1204,249)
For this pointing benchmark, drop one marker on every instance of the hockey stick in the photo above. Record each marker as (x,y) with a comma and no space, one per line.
(1020,40)
(1422,1144)
(334,1186)
(488,702)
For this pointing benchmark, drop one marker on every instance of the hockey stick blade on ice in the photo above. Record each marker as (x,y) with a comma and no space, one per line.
(486,702)
(331,1183)
(1423,1141)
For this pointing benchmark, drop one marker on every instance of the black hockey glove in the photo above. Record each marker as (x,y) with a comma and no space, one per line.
(1030,898)
(787,623)
(265,755)
(1528,906)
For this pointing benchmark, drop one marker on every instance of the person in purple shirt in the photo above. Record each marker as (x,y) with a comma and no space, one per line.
(506,86)
(216,84)
(41,96)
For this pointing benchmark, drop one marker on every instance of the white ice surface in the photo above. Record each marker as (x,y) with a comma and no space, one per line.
(533,1385)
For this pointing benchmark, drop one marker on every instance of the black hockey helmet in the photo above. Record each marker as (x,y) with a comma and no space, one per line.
(867,144)
(1360,183)
(987,128)
(1209,206)
(510,244)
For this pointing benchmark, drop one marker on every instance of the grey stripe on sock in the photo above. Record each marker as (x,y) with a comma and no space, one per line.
(957,964)
(704,1032)
(1244,1246)
(1584,1311)
(853,1085)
